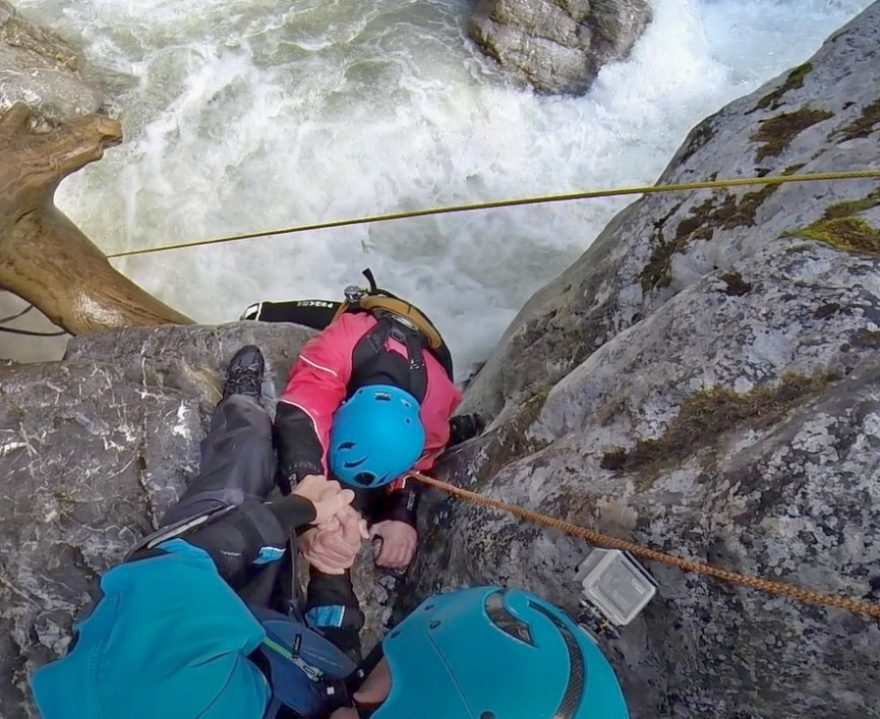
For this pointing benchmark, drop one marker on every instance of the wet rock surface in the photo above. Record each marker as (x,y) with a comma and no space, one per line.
(93,450)
(41,70)
(705,380)
(558,46)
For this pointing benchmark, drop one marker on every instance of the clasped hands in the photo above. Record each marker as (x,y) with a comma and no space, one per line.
(332,545)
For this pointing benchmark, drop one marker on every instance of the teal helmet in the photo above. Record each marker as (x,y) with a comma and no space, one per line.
(377,435)
(490,653)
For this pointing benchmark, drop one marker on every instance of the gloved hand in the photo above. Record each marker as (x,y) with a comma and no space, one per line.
(463,427)
(399,541)
(332,547)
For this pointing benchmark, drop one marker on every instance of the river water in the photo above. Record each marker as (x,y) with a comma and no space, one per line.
(242,115)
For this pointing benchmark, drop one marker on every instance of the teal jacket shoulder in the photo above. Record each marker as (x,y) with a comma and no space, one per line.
(168,639)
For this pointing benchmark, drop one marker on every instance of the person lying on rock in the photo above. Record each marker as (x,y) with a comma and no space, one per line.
(177,633)
(370,398)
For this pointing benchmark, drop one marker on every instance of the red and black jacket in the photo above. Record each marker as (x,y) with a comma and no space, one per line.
(355,350)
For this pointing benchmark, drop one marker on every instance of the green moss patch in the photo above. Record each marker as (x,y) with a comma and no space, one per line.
(794,81)
(827,310)
(842,229)
(776,133)
(852,207)
(864,125)
(724,211)
(698,138)
(866,339)
(743,213)
(851,234)
(709,414)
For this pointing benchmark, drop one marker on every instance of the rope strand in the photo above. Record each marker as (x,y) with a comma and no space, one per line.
(9,318)
(543,199)
(29,333)
(800,594)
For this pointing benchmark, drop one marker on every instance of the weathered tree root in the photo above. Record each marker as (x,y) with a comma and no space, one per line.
(44,257)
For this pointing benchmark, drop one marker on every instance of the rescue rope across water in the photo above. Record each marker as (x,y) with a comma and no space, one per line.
(543,199)
(807,596)
(800,594)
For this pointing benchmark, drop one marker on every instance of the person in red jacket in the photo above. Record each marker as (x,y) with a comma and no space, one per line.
(369,399)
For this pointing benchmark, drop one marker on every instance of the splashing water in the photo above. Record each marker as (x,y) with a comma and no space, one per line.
(251,114)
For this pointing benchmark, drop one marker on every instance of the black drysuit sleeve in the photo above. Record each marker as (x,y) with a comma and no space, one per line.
(299,450)
(239,538)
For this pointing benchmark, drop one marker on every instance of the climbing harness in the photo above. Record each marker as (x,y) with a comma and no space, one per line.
(308,672)
(395,318)
(372,299)
(807,596)
(544,199)
(405,323)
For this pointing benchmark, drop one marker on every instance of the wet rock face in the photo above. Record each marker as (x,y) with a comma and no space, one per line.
(90,459)
(93,451)
(558,46)
(706,380)
(662,244)
(41,70)
(735,429)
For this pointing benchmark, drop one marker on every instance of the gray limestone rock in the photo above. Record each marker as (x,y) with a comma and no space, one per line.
(558,46)
(790,496)
(662,244)
(706,380)
(738,425)
(41,70)
(193,359)
(93,450)
(89,460)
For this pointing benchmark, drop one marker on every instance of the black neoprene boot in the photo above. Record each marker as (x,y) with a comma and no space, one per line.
(245,373)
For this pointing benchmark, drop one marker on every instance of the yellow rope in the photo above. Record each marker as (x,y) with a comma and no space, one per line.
(807,596)
(591,194)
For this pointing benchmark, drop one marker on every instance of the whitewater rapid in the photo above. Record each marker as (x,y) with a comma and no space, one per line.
(241,115)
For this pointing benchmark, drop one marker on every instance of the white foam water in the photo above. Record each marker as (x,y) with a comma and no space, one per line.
(242,115)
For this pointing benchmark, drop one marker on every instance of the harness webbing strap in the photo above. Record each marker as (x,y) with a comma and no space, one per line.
(410,373)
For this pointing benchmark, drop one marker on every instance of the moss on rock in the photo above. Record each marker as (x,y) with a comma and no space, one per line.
(852,234)
(849,208)
(511,442)
(698,138)
(725,211)
(794,81)
(864,125)
(867,339)
(776,133)
(706,416)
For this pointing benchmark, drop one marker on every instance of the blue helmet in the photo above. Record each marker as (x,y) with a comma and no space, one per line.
(490,653)
(377,435)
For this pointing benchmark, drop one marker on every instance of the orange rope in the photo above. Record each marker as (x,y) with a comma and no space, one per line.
(807,596)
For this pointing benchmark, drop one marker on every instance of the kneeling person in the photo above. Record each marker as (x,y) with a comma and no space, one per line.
(369,399)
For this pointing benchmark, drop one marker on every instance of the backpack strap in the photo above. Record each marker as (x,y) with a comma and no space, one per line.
(418,372)
(379,303)
(371,360)
(306,672)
